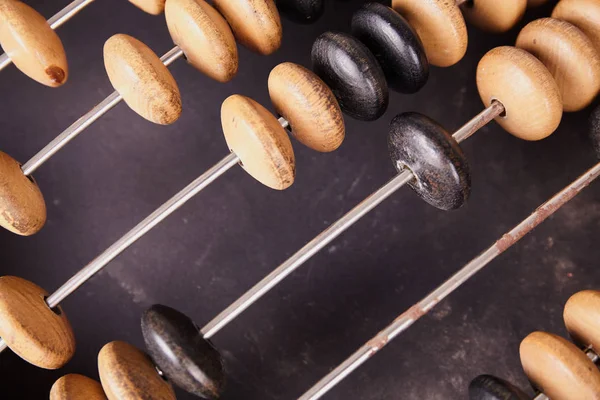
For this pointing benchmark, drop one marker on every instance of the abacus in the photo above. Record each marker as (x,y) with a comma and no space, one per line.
(554,67)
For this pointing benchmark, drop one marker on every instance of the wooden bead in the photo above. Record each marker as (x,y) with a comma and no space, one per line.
(493,15)
(127,373)
(395,44)
(584,14)
(353,74)
(569,55)
(154,7)
(76,387)
(441,27)
(182,354)
(22,205)
(442,173)
(488,387)
(204,36)
(301,11)
(259,140)
(142,79)
(558,368)
(31,44)
(30,328)
(308,104)
(255,23)
(526,89)
(535,3)
(582,318)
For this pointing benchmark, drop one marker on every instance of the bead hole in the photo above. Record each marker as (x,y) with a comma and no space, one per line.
(56,310)
(240,163)
(503,114)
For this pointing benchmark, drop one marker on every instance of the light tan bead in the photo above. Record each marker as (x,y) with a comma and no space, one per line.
(142,79)
(204,36)
(258,139)
(582,318)
(558,368)
(584,14)
(493,15)
(441,27)
(308,104)
(154,7)
(76,387)
(31,44)
(22,206)
(30,328)
(127,373)
(526,89)
(255,23)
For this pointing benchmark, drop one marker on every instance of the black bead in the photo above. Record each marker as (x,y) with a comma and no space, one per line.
(395,44)
(179,350)
(488,387)
(443,177)
(302,11)
(353,74)
(595,130)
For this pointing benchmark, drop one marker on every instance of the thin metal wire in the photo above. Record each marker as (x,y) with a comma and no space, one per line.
(413,314)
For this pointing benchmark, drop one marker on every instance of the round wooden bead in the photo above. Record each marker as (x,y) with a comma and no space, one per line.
(302,11)
(308,104)
(493,15)
(558,368)
(30,328)
(584,14)
(22,206)
(582,318)
(127,373)
(395,45)
(353,74)
(259,140)
(535,3)
(154,7)
(441,27)
(488,387)
(143,81)
(76,387)
(569,55)
(442,173)
(595,130)
(255,23)
(525,87)
(204,36)
(31,44)
(182,354)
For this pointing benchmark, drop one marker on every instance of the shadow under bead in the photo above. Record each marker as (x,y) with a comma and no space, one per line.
(301,11)
(395,44)
(184,356)
(442,173)
(488,387)
(353,74)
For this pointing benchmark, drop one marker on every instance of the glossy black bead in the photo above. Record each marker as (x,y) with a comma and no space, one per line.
(353,74)
(488,387)
(183,355)
(595,130)
(395,44)
(443,177)
(302,11)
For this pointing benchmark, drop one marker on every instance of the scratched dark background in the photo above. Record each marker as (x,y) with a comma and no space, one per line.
(236,231)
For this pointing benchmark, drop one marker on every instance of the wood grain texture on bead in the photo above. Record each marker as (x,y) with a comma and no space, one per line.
(440,26)
(76,387)
(584,14)
(127,373)
(22,205)
(558,368)
(526,89)
(255,23)
(142,79)
(204,36)
(569,55)
(31,44)
(493,15)
(582,318)
(259,140)
(308,104)
(154,7)
(30,328)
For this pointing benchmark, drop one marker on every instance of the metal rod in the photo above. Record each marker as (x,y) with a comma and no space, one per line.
(413,314)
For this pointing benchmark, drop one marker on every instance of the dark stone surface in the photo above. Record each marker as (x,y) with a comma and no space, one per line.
(488,387)
(595,130)
(443,177)
(187,359)
(352,73)
(302,11)
(395,44)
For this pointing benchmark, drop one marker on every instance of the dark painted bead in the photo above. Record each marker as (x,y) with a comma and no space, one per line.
(443,177)
(395,44)
(302,11)
(353,74)
(179,350)
(488,387)
(595,130)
